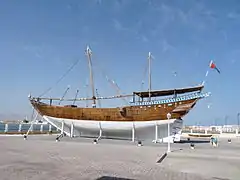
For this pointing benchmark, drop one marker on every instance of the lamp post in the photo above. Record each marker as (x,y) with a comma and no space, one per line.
(168,117)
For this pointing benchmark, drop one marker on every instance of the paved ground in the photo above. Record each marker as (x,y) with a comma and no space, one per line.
(41,158)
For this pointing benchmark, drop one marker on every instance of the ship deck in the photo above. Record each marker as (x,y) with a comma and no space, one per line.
(40,157)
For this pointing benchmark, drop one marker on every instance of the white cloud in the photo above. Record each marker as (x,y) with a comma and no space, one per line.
(36,50)
(69,6)
(233,15)
(198,16)
(197,52)
(120,5)
(166,46)
(224,34)
(118,26)
(233,61)
(134,31)
(99,2)
(144,38)
(38,55)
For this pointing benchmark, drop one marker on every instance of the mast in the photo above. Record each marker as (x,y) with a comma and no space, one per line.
(149,75)
(89,54)
(86,86)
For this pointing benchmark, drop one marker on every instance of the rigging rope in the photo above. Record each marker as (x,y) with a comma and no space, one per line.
(144,75)
(32,114)
(61,78)
(113,83)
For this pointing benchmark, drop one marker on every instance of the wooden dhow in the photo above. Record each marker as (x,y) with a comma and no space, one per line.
(136,120)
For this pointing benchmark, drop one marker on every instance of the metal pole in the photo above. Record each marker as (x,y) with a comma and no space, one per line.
(89,53)
(31,126)
(133,133)
(49,127)
(71,135)
(168,116)
(100,132)
(149,75)
(168,137)
(62,128)
(156,133)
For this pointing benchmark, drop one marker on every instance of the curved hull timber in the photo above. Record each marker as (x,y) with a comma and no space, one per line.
(138,130)
(121,114)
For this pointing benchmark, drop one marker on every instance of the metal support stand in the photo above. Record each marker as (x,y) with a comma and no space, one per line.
(62,133)
(100,132)
(168,117)
(133,133)
(50,128)
(156,133)
(72,128)
(31,127)
(58,137)
(168,150)
(62,129)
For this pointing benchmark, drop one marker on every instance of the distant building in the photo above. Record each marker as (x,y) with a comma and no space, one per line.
(225,128)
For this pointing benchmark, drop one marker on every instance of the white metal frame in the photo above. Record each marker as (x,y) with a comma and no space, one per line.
(100,132)
(169,148)
(133,132)
(31,126)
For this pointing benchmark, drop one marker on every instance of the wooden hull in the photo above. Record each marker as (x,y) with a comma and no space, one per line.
(111,129)
(127,113)
(200,135)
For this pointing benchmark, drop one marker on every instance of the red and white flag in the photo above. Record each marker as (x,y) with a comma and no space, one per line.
(212,65)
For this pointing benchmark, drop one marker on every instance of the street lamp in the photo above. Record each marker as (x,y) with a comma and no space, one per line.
(168,116)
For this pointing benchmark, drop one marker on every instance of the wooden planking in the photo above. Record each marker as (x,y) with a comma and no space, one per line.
(129,113)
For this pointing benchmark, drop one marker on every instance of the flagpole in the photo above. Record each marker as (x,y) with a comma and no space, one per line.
(203,83)
(211,62)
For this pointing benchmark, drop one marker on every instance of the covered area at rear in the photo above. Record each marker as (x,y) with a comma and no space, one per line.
(167,92)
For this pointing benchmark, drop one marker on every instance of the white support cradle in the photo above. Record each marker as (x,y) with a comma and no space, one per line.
(31,126)
(100,132)
(156,134)
(72,130)
(62,128)
(155,131)
(133,132)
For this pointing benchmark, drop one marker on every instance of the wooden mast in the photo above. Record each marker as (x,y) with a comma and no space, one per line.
(89,53)
(149,75)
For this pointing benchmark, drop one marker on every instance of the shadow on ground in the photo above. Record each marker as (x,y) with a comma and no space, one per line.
(111,178)
(194,141)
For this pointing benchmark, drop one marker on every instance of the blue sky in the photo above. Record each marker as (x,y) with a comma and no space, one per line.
(40,40)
